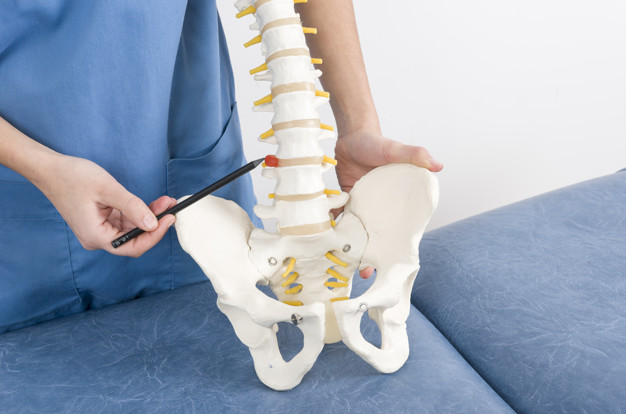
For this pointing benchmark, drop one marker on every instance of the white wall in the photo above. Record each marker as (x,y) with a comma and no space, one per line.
(515,98)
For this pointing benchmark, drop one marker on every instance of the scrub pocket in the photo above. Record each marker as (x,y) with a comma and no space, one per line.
(186,176)
(36,281)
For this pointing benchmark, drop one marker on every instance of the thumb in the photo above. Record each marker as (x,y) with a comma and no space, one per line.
(131,206)
(399,153)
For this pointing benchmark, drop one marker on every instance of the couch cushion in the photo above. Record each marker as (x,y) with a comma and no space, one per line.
(176,352)
(533,295)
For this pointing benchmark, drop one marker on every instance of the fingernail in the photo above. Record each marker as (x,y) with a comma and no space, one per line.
(434,164)
(172,221)
(150,221)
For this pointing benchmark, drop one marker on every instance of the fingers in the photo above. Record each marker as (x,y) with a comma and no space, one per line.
(161,204)
(131,206)
(366,273)
(396,152)
(144,242)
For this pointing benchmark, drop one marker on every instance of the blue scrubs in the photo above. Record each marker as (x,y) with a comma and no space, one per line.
(142,88)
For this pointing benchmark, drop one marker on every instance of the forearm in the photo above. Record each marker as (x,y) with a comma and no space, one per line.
(23,154)
(337,43)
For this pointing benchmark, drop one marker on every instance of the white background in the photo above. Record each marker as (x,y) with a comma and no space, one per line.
(516,98)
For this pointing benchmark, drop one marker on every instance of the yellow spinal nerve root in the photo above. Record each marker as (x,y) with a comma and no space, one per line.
(253,41)
(260,68)
(334,284)
(290,280)
(290,266)
(293,302)
(293,290)
(248,10)
(336,275)
(335,260)
(265,99)
(329,160)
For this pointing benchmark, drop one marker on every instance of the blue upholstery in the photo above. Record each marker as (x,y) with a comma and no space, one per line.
(533,295)
(530,295)
(175,352)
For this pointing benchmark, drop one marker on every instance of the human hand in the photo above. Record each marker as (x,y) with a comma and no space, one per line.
(98,209)
(360,152)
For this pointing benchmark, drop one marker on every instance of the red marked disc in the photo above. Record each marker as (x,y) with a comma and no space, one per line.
(271,161)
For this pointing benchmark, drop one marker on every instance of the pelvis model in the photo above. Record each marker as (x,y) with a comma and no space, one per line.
(310,261)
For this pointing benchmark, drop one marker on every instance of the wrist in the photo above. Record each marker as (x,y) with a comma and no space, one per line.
(357,114)
(44,168)
(349,126)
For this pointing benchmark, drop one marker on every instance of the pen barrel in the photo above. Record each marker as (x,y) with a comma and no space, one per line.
(126,237)
(189,201)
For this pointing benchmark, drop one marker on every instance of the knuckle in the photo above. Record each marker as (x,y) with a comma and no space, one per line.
(421,151)
(420,155)
(133,202)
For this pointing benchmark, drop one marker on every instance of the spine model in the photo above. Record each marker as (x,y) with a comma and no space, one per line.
(301,201)
(312,269)
(309,262)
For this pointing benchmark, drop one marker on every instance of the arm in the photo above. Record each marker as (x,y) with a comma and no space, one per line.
(344,70)
(361,146)
(94,204)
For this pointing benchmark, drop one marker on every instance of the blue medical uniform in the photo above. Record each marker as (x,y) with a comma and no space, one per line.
(142,88)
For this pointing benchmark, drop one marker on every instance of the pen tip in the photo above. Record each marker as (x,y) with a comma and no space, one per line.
(258,162)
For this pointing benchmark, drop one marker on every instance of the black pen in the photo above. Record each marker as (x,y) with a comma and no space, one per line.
(189,201)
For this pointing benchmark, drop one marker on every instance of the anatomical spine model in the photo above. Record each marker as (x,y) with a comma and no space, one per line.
(310,261)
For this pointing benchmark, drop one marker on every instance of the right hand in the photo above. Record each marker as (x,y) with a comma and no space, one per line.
(98,209)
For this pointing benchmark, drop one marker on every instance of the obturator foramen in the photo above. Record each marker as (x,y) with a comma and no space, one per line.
(310,261)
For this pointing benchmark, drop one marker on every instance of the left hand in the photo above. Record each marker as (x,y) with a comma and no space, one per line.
(360,152)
